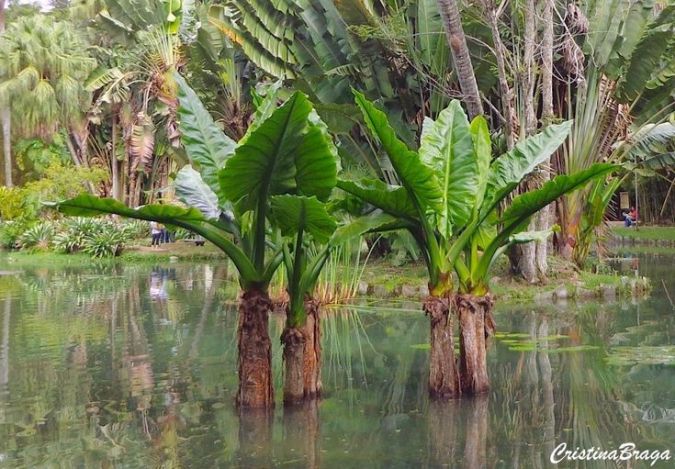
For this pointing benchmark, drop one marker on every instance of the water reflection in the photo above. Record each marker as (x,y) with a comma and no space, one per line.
(135,366)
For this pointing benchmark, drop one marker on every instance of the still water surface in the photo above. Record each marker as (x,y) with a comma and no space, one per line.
(135,366)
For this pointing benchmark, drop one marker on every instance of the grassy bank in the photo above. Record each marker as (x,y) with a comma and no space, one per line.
(379,279)
(645,233)
(565,282)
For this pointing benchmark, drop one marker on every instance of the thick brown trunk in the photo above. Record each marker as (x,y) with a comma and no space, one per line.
(443,374)
(293,340)
(255,351)
(476,324)
(452,23)
(302,357)
(301,434)
(312,355)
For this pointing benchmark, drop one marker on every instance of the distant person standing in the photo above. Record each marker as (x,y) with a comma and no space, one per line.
(633,214)
(155,233)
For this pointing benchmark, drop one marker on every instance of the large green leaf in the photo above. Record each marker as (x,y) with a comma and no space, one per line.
(510,169)
(205,144)
(292,213)
(86,205)
(447,147)
(287,153)
(482,148)
(526,205)
(390,199)
(368,223)
(418,179)
(194,192)
(516,218)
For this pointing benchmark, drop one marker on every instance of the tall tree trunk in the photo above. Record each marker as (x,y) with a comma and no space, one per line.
(255,351)
(527,260)
(543,221)
(6,120)
(510,118)
(443,374)
(476,324)
(452,23)
(114,164)
(302,357)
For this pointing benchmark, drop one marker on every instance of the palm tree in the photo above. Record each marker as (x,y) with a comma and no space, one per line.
(286,151)
(448,199)
(452,23)
(44,66)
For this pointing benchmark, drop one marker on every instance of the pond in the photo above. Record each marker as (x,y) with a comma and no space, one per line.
(135,366)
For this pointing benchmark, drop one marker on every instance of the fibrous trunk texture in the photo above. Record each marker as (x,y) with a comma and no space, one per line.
(312,355)
(443,374)
(255,351)
(476,324)
(302,357)
(293,340)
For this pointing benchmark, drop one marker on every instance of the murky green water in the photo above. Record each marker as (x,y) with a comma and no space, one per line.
(135,367)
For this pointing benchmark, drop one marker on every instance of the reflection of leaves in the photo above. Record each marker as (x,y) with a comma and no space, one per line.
(642,355)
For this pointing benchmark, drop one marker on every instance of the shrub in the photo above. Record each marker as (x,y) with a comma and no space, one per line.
(136,229)
(38,237)
(10,233)
(105,242)
(11,203)
(73,232)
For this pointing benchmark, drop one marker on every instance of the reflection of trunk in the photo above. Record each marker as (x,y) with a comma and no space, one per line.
(255,351)
(4,345)
(443,376)
(547,389)
(302,357)
(301,433)
(476,324)
(476,433)
(255,438)
(442,432)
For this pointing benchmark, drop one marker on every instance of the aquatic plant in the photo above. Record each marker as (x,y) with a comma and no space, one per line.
(449,197)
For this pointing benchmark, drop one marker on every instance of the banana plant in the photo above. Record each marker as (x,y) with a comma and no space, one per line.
(449,197)
(228,190)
